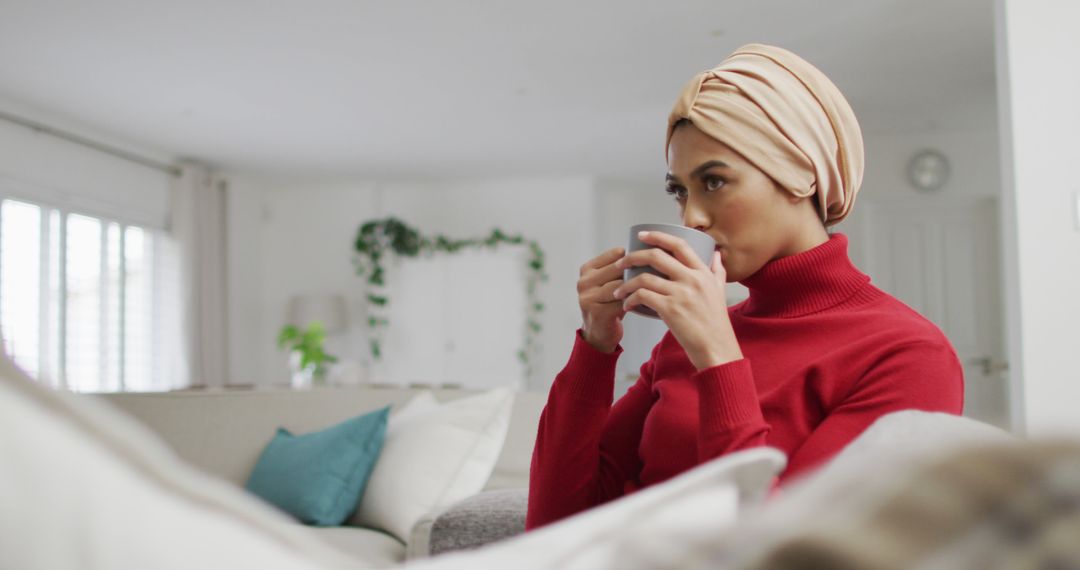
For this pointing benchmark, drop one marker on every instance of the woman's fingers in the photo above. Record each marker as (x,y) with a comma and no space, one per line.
(605,293)
(645,281)
(601,313)
(658,259)
(608,257)
(717,266)
(599,278)
(594,275)
(650,299)
(606,274)
(676,245)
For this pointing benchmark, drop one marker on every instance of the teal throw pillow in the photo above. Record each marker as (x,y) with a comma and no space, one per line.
(319,477)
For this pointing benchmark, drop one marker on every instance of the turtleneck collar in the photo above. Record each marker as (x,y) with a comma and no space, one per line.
(804,283)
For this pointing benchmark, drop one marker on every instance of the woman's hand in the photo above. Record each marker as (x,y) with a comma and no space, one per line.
(601,312)
(691,301)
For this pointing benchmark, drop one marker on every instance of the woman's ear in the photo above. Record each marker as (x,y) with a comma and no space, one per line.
(809,204)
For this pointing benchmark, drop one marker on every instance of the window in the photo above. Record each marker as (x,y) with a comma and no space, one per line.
(86,303)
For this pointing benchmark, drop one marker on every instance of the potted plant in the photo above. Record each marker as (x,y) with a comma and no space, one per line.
(307,357)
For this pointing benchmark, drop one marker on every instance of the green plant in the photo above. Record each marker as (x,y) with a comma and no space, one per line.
(376,239)
(309,344)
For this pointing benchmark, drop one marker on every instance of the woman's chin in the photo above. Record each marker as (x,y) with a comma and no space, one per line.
(735,271)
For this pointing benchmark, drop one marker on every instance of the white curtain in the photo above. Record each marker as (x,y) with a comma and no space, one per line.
(198,226)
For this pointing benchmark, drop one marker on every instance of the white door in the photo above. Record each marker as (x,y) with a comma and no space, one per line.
(941,258)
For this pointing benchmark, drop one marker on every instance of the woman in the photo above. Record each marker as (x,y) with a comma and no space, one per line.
(763,153)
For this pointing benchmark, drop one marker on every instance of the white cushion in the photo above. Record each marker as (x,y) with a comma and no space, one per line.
(83,486)
(434,455)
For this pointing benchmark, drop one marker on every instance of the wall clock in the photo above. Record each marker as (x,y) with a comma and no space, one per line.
(928,170)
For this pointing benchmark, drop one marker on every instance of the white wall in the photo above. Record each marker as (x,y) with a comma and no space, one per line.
(297,238)
(285,242)
(44,168)
(972,154)
(1039,88)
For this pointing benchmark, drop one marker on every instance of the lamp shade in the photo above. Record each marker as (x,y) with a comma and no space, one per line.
(328,309)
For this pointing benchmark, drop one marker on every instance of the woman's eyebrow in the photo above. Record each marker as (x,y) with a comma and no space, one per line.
(699,171)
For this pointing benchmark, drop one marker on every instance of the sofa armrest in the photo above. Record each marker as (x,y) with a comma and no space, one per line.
(481,519)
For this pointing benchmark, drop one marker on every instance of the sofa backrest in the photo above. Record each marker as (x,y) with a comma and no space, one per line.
(224,431)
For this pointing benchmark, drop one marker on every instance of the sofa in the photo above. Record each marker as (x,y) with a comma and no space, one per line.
(223,432)
(85,485)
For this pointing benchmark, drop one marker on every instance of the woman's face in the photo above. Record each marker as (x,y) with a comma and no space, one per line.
(751,218)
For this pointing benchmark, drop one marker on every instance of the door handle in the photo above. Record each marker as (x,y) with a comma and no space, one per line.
(989,365)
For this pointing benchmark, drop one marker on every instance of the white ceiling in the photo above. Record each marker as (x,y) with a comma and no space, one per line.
(437,88)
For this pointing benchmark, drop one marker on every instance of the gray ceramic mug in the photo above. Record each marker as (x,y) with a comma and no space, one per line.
(702,244)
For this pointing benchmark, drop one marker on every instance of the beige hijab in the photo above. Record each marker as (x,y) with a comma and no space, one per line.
(784,116)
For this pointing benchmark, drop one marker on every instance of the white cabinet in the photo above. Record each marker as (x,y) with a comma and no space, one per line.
(456,319)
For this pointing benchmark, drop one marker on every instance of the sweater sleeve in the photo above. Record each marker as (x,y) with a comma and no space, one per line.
(923,376)
(586,449)
(729,412)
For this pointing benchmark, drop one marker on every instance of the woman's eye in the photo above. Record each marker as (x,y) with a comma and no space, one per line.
(677,192)
(714,183)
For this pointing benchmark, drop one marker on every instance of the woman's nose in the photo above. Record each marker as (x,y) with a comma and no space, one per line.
(694,216)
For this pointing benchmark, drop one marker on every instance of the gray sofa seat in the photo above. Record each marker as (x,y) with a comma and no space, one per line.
(481,519)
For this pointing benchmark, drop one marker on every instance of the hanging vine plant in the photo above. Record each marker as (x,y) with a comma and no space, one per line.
(377,238)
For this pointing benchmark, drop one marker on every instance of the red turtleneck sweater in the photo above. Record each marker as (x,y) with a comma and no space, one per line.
(825,354)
